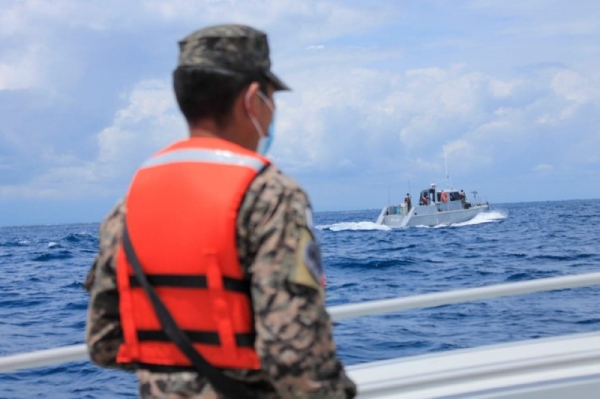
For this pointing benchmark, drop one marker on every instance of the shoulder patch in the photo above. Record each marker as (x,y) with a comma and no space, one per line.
(312,259)
(309,219)
(308,267)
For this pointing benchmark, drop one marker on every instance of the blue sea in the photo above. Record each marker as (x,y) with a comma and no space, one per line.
(43,303)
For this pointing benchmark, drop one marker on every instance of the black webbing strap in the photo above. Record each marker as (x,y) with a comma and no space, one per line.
(191,281)
(223,384)
(199,337)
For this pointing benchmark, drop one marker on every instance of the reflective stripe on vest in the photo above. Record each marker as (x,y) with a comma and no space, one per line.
(199,155)
(181,213)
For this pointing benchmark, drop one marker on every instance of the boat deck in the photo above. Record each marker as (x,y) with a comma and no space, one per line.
(562,367)
(559,367)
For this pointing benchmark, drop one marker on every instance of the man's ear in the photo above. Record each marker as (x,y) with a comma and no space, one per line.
(251,97)
(244,101)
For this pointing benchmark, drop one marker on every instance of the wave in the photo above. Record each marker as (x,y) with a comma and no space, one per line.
(19,243)
(529,275)
(354,226)
(79,237)
(485,217)
(589,321)
(74,284)
(45,257)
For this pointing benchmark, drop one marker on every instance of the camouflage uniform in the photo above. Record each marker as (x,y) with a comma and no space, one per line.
(281,258)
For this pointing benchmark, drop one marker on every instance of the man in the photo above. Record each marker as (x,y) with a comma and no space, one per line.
(407,202)
(208,281)
(463,198)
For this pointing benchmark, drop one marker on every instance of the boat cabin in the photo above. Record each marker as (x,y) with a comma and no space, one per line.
(452,198)
(432,195)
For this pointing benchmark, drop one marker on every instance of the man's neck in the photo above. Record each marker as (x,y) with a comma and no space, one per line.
(209,128)
(206,128)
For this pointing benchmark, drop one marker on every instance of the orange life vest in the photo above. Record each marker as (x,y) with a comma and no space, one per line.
(181,212)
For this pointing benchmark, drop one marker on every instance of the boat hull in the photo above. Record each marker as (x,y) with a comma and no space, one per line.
(430,216)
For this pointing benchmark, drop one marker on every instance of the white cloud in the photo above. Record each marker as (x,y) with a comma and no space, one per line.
(543,168)
(571,86)
(42,40)
(378,90)
(464,152)
(312,20)
(149,121)
(332,18)
(361,121)
(544,18)
(572,91)
(369,119)
(31,17)
(21,69)
(501,89)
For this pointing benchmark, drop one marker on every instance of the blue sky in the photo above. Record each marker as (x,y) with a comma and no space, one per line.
(510,91)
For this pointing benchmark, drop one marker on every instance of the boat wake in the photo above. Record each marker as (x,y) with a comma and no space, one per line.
(484,217)
(352,226)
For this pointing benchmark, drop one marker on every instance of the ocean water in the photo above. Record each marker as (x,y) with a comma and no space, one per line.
(43,303)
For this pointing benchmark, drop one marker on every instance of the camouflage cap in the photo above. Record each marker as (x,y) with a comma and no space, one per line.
(229,48)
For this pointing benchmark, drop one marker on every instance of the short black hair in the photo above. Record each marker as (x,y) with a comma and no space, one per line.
(203,93)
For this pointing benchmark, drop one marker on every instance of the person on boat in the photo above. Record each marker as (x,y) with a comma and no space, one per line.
(424,200)
(208,281)
(407,202)
(463,198)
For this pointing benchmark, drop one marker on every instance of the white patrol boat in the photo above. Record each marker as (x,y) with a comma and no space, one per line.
(435,207)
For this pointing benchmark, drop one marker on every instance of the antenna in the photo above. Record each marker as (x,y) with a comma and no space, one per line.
(446,163)
(448,181)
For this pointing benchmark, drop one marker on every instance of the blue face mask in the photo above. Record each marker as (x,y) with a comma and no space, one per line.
(264,141)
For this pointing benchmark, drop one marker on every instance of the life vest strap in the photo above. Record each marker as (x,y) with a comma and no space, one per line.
(229,387)
(245,340)
(189,281)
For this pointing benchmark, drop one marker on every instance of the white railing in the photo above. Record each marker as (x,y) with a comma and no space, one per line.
(79,352)
(464,295)
(45,357)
